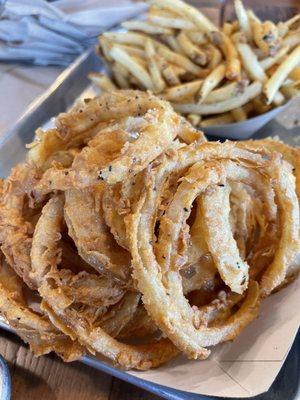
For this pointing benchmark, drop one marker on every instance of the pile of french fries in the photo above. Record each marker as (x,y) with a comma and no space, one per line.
(211,75)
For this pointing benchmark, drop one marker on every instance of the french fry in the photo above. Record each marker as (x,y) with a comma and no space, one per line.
(292,39)
(226,118)
(141,61)
(211,82)
(226,92)
(195,53)
(268,62)
(291,90)
(243,19)
(239,114)
(290,22)
(173,44)
(146,27)
(180,54)
(260,106)
(215,56)
(273,84)
(194,119)
(102,81)
(131,38)
(227,28)
(105,46)
(250,62)
(120,77)
(254,69)
(252,16)
(187,11)
(167,71)
(128,62)
(155,73)
(132,50)
(196,37)
(181,92)
(178,59)
(171,22)
(295,74)
(250,93)
(266,37)
(233,65)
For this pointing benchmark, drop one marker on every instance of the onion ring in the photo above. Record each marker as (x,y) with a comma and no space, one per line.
(158,279)
(59,304)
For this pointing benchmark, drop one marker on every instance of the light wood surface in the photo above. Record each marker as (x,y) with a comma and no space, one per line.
(48,378)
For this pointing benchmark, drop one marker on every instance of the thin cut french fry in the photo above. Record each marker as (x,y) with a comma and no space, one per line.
(146,27)
(132,66)
(227,28)
(266,37)
(211,82)
(260,106)
(173,44)
(132,50)
(183,91)
(233,65)
(226,118)
(243,18)
(292,39)
(131,38)
(120,77)
(195,53)
(282,72)
(295,74)
(250,93)
(102,81)
(239,114)
(170,22)
(194,119)
(252,16)
(105,46)
(292,90)
(268,62)
(167,71)
(250,62)
(215,56)
(196,37)
(290,22)
(178,59)
(157,80)
(226,92)
(191,13)
(254,69)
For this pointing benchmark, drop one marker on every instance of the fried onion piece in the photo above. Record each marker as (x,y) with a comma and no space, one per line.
(113,216)
(123,147)
(15,231)
(216,208)
(33,328)
(140,326)
(121,314)
(95,243)
(62,307)
(289,153)
(157,273)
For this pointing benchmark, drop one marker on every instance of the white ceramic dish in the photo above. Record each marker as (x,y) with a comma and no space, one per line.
(245,129)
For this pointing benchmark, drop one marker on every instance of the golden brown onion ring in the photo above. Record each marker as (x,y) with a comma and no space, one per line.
(59,304)
(161,283)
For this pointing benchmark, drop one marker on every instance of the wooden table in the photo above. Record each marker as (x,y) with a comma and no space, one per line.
(49,378)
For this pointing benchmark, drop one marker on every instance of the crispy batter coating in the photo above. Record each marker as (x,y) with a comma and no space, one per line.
(125,233)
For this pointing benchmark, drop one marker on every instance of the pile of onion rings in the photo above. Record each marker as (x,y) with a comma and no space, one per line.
(126,234)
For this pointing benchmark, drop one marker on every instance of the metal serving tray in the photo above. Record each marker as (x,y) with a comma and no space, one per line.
(70,85)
